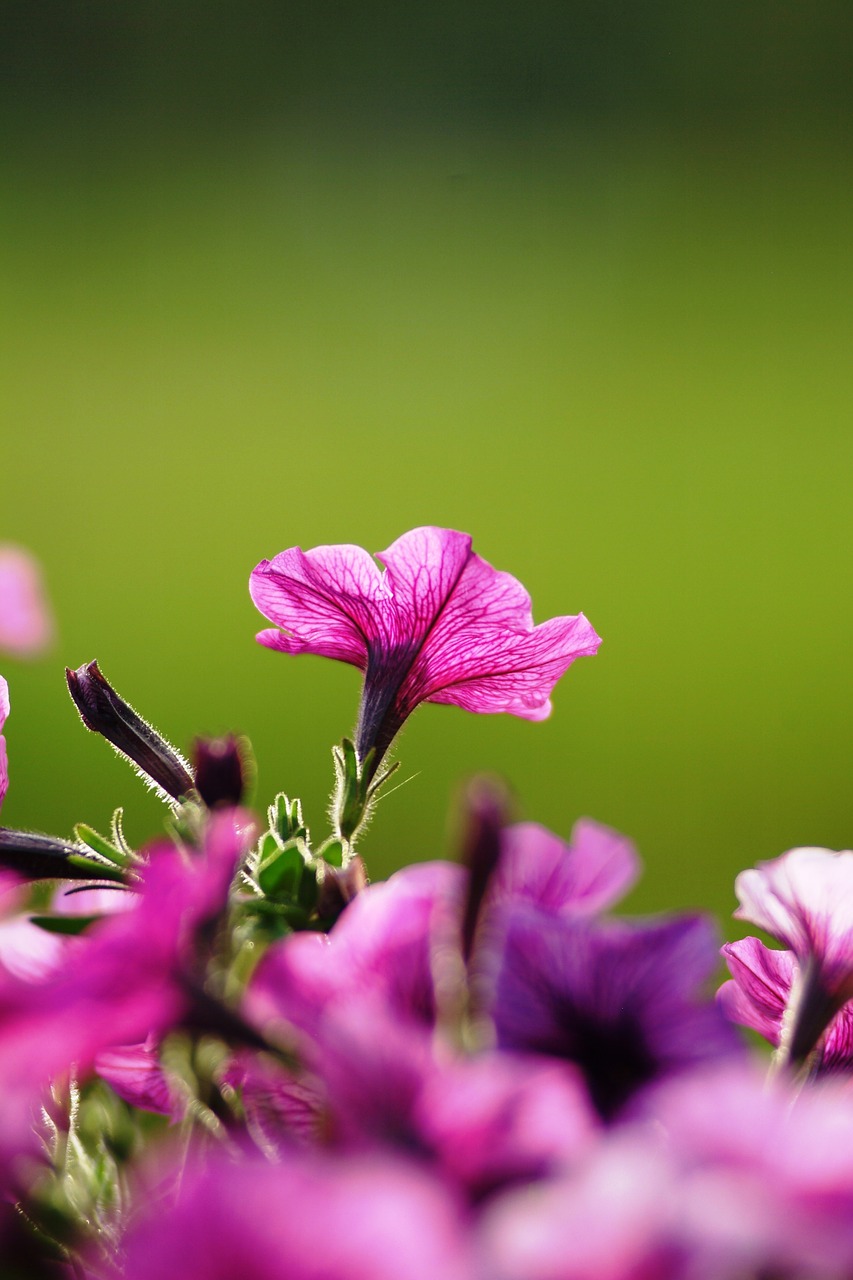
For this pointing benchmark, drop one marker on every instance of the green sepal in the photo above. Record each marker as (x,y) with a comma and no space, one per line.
(309,890)
(280,868)
(97,870)
(381,779)
(285,816)
(119,840)
(93,840)
(68,925)
(333,851)
(351,801)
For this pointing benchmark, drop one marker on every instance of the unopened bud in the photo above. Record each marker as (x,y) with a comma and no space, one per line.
(37,857)
(339,886)
(486,805)
(219,774)
(103,711)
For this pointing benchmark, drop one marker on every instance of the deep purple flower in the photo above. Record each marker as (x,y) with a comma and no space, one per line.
(620,999)
(761,992)
(26,626)
(438,625)
(306,1218)
(805,900)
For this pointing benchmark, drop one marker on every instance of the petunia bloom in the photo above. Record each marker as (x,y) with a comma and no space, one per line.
(4,764)
(620,999)
(439,624)
(805,900)
(26,625)
(760,993)
(363,1218)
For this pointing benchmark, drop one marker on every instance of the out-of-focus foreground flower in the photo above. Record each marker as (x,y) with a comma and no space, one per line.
(4,760)
(805,900)
(26,623)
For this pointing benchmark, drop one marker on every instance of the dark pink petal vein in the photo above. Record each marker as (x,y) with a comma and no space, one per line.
(439,624)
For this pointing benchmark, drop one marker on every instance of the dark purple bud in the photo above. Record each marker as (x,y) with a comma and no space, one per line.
(38,857)
(219,771)
(103,711)
(486,805)
(339,886)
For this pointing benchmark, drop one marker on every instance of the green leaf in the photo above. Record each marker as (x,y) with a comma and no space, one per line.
(309,890)
(286,821)
(280,873)
(99,844)
(69,925)
(97,870)
(332,851)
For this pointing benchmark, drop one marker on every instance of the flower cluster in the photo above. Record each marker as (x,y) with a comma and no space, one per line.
(229,1054)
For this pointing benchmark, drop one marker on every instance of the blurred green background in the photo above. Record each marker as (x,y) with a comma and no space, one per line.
(573,277)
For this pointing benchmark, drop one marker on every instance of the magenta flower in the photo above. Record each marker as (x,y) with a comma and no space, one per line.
(26,626)
(135,1074)
(396,937)
(615,1218)
(26,951)
(805,900)
(306,1218)
(764,1172)
(760,993)
(581,878)
(4,763)
(439,624)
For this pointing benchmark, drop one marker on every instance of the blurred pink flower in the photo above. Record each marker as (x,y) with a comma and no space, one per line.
(135,1074)
(26,951)
(4,762)
(805,900)
(761,992)
(344,1218)
(397,936)
(438,625)
(26,624)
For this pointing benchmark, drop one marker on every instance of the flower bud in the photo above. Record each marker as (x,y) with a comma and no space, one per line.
(339,886)
(219,771)
(485,814)
(103,711)
(39,857)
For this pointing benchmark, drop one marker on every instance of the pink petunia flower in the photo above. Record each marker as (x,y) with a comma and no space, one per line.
(307,1218)
(760,994)
(805,900)
(439,624)
(4,763)
(26,625)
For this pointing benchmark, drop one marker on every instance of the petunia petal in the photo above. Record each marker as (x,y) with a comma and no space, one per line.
(581,878)
(439,625)
(805,900)
(760,988)
(26,625)
(328,600)
(4,760)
